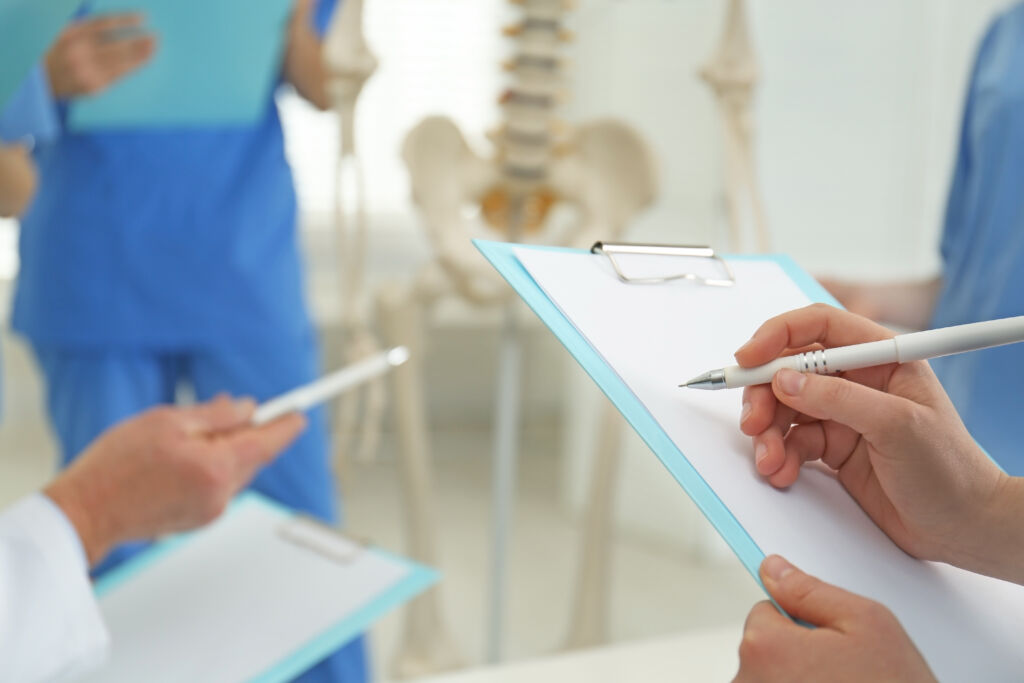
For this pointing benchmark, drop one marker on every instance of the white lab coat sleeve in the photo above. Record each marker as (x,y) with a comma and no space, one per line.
(50,623)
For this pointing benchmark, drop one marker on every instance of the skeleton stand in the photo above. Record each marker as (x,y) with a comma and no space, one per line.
(426,644)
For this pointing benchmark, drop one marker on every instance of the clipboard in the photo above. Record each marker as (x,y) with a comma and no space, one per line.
(262,594)
(29,28)
(216,64)
(626,336)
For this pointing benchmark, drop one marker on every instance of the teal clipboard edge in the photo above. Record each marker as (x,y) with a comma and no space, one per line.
(502,256)
(416,581)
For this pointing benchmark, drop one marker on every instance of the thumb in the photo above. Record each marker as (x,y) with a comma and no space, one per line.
(254,447)
(805,597)
(877,415)
(219,415)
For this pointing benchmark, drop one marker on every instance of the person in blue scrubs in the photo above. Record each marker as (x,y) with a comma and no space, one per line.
(156,258)
(982,250)
(983,244)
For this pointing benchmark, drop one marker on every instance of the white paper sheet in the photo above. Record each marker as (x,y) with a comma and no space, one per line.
(969,627)
(233,601)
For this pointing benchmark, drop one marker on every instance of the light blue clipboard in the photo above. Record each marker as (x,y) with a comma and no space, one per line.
(418,579)
(27,29)
(503,258)
(215,64)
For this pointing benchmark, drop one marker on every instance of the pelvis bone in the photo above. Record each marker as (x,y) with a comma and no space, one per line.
(604,170)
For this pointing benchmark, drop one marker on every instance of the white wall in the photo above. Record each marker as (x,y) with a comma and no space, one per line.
(858,118)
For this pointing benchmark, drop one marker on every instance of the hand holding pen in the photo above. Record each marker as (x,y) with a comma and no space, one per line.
(893,439)
(896,444)
(899,349)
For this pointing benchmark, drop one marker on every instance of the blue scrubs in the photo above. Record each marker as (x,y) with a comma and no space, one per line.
(983,244)
(155,258)
(29,115)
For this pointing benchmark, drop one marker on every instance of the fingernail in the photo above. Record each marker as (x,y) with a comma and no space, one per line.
(791,382)
(775,568)
(759,452)
(745,413)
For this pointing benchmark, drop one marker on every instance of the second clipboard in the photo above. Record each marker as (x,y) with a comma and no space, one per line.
(216,64)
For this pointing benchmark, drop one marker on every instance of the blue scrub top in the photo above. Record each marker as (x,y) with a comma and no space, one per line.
(162,239)
(983,244)
(30,114)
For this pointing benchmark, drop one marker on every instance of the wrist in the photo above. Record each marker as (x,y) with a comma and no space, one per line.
(78,504)
(994,544)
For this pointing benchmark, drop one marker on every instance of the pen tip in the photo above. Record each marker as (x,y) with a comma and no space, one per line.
(706,381)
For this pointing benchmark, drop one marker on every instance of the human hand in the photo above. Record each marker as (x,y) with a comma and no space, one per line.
(855,639)
(856,297)
(169,469)
(304,65)
(893,438)
(908,304)
(18,180)
(90,55)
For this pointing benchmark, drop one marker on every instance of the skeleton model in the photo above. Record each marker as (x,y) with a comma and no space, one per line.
(732,75)
(426,646)
(351,64)
(602,170)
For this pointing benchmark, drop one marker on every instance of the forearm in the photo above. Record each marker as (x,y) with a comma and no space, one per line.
(306,70)
(81,502)
(908,304)
(17,180)
(997,549)
(904,304)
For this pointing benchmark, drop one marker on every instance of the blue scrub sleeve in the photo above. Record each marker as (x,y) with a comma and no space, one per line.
(954,228)
(995,51)
(31,112)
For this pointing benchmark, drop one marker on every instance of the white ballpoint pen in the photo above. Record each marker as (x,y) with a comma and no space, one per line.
(902,348)
(307,396)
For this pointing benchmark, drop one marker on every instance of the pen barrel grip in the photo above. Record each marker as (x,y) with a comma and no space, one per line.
(742,377)
(826,362)
(857,356)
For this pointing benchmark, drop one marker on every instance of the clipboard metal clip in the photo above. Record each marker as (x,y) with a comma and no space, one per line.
(312,534)
(617,249)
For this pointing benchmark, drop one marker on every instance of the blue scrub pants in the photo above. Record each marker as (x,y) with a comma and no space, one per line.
(89,391)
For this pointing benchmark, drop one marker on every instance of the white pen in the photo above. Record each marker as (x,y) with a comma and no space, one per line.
(305,397)
(902,348)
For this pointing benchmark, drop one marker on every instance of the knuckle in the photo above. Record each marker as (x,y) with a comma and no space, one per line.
(914,417)
(803,588)
(212,478)
(755,642)
(820,308)
(754,645)
(875,613)
(214,508)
